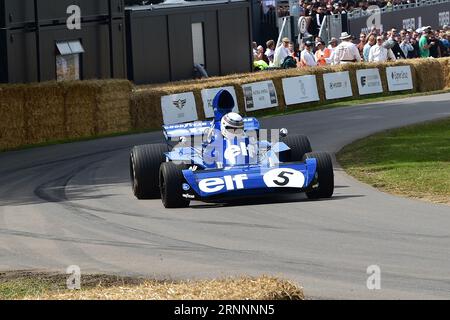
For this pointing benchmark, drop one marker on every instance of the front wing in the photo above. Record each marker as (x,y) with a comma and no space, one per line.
(247,180)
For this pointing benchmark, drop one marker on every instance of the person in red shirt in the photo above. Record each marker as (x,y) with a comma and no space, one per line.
(322,53)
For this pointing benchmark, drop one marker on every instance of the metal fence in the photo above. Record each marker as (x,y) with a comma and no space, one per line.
(358,13)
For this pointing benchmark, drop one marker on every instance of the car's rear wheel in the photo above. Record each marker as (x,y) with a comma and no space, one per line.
(299,145)
(145,162)
(323,185)
(171,186)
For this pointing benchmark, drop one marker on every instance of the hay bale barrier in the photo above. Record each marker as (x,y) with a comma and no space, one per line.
(445,70)
(113,106)
(12,117)
(427,75)
(44,113)
(56,111)
(52,111)
(81,106)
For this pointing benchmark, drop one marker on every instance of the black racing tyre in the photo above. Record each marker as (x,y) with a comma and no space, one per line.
(299,145)
(145,162)
(171,186)
(323,186)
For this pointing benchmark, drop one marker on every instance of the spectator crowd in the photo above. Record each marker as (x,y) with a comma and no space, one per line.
(372,47)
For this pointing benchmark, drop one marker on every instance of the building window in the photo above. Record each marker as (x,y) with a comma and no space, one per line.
(198,43)
(68,60)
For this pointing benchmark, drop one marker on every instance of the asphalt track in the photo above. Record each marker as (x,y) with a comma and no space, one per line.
(72,205)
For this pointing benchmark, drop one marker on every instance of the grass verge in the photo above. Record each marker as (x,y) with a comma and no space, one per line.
(47,286)
(413,161)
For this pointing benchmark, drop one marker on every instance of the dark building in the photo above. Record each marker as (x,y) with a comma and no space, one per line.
(164,41)
(147,44)
(37,45)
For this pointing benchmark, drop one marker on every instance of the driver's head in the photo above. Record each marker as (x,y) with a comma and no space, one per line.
(232,125)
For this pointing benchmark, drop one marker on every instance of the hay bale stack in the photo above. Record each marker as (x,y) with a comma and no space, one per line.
(445,70)
(12,117)
(113,106)
(145,109)
(429,75)
(81,108)
(44,112)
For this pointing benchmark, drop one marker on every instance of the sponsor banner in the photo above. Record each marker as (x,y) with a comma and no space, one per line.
(208,96)
(300,89)
(399,78)
(178,108)
(337,85)
(369,81)
(260,95)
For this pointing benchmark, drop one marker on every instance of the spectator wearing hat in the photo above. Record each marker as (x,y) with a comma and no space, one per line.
(332,45)
(379,53)
(307,58)
(281,52)
(346,51)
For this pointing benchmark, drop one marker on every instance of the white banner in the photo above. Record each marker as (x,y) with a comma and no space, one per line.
(369,81)
(260,95)
(208,96)
(337,85)
(300,89)
(399,78)
(178,108)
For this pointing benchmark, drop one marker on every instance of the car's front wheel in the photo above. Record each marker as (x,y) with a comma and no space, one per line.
(323,185)
(145,161)
(171,186)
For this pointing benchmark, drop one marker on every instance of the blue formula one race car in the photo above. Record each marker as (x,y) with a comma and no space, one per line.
(228,158)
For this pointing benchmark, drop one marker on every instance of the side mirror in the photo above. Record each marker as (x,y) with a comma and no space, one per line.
(284,132)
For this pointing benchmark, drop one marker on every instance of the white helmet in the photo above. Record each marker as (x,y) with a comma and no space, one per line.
(232,125)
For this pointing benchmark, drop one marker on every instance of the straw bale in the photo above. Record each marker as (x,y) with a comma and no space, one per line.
(12,118)
(44,112)
(113,106)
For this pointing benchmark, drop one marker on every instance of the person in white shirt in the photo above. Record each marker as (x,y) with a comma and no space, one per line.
(378,53)
(333,43)
(281,52)
(346,52)
(270,51)
(307,58)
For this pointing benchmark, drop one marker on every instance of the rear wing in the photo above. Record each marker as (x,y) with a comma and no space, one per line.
(198,128)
